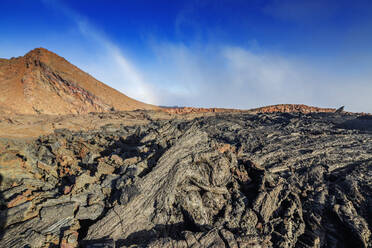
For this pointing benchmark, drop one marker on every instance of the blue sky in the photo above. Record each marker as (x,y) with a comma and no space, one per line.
(207,53)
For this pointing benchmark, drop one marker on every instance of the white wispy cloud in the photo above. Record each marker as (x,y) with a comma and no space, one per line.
(116,69)
(231,76)
(125,76)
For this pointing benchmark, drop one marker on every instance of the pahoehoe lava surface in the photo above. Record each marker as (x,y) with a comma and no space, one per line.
(231,180)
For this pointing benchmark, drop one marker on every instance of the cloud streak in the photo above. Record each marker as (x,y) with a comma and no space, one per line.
(121,73)
(127,78)
(231,76)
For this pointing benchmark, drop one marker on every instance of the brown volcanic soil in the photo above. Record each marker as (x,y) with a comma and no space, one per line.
(41,82)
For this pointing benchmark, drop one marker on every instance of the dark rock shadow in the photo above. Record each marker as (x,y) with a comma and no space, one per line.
(3,211)
(130,147)
(361,123)
(143,237)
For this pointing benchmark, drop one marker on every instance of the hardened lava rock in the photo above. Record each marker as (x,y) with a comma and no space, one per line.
(230,180)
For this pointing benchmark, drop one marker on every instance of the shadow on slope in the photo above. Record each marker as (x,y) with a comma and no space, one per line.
(362,123)
(3,211)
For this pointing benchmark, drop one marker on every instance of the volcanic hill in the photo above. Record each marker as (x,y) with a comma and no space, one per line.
(41,82)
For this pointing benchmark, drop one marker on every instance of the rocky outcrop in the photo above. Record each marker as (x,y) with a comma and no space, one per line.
(293,108)
(230,180)
(192,110)
(279,108)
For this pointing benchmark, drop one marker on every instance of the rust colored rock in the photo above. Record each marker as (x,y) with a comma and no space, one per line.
(293,108)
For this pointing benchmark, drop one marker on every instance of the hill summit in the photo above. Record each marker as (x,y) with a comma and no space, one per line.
(41,82)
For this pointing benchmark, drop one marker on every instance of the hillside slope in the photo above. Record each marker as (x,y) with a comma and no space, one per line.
(41,82)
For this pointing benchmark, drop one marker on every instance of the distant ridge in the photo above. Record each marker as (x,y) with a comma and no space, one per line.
(292,108)
(282,108)
(41,82)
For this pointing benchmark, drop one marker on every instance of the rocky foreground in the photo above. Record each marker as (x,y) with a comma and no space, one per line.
(230,180)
